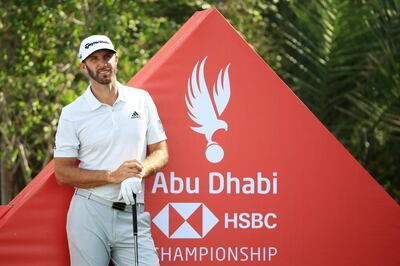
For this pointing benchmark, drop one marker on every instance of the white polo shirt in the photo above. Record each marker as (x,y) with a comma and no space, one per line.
(102,137)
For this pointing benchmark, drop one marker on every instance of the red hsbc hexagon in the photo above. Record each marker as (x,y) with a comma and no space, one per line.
(195,220)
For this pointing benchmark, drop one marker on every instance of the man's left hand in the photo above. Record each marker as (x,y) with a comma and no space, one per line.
(130,186)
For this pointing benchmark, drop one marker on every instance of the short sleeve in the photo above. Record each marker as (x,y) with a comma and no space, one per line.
(155,128)
(66,140)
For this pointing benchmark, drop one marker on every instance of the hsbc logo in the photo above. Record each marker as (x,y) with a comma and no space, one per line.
(185,220)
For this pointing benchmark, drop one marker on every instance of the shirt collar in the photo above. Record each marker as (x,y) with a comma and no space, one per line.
(94,103)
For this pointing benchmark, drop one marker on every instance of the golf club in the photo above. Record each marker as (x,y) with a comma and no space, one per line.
(135,231)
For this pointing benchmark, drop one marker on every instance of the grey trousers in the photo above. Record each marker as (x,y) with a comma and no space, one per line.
(97,234)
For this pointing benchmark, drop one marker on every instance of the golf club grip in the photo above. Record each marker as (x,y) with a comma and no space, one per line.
(134,216)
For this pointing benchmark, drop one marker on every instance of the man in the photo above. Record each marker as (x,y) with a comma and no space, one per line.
(116,134)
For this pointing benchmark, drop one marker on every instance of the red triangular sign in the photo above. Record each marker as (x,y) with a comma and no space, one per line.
(275,186)
(283,189)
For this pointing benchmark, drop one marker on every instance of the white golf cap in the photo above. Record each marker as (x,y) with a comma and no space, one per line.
(94,43)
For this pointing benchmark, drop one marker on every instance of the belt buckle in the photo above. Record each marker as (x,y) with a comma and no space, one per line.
(118,205)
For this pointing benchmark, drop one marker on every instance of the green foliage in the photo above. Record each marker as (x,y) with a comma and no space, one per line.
(40,67)
(338,56)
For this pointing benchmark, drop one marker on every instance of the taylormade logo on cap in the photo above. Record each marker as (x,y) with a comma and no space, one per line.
(87,46)
(94,43)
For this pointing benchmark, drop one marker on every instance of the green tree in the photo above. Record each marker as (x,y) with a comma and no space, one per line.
(341,58)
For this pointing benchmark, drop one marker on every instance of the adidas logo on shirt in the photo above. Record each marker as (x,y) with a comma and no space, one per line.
(135,115)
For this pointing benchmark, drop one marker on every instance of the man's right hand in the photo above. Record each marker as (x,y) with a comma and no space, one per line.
(125,170)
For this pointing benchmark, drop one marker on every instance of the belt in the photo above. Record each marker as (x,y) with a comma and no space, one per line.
(121,206)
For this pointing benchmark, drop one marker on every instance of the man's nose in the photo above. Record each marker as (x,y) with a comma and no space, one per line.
(103,61)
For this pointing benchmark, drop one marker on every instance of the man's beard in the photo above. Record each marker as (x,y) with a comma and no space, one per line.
(97,77)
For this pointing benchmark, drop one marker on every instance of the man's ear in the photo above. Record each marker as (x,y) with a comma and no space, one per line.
(82,66)
(116,58)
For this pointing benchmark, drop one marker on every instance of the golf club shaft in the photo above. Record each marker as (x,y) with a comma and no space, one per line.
(135,231)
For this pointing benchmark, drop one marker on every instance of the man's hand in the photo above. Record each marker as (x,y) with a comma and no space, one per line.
(125,170)
(128,187)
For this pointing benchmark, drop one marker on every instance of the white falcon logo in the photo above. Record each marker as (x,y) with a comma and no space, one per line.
(201,108)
